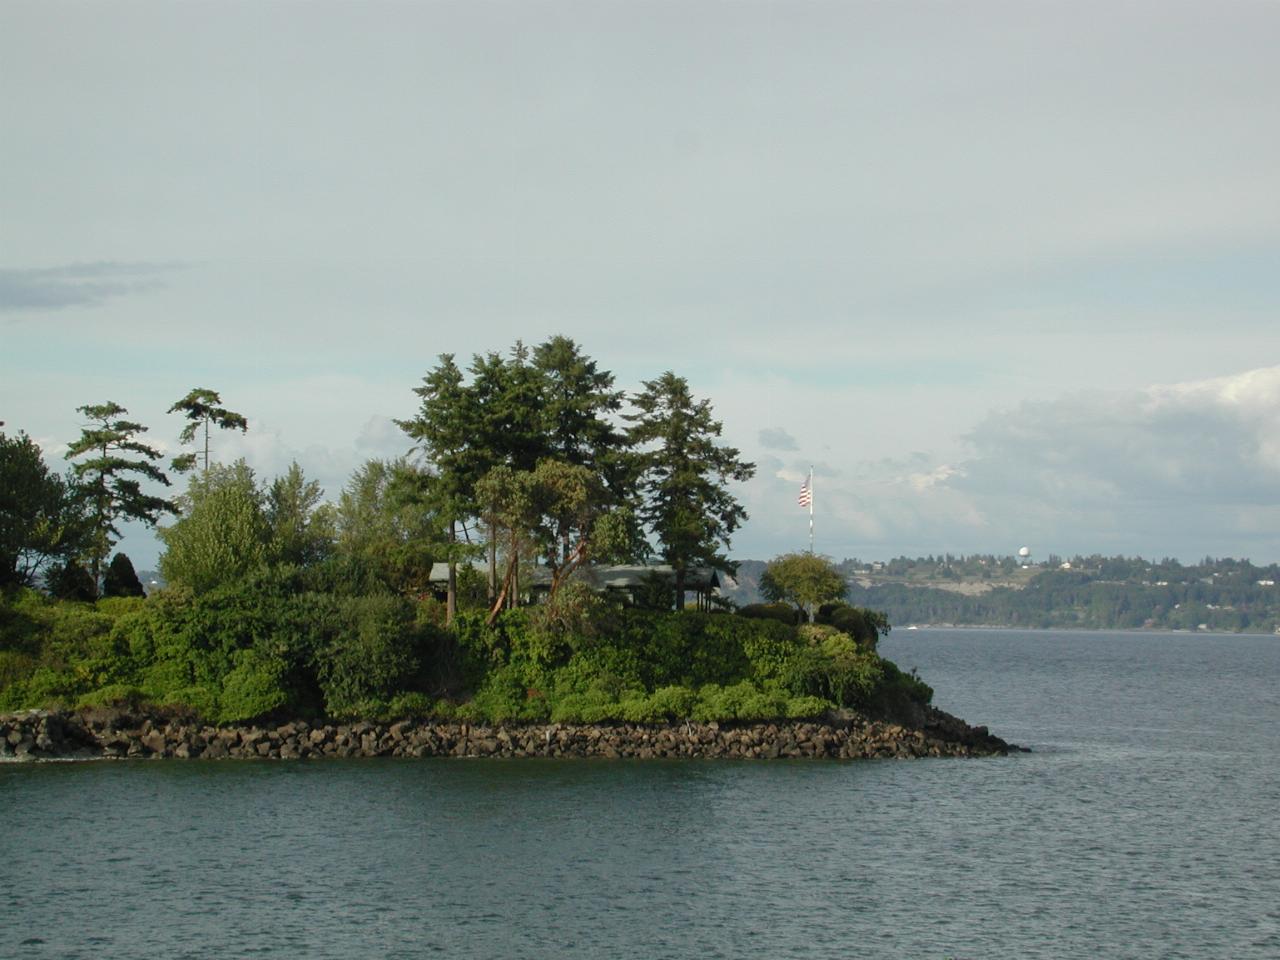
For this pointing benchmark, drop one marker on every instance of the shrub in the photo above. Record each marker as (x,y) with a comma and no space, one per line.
(865,626)
(113,695)
(781,612)
(253,689)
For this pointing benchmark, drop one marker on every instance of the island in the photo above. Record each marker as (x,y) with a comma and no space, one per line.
(540,578)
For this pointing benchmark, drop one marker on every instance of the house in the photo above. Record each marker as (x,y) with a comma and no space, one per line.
(625,582)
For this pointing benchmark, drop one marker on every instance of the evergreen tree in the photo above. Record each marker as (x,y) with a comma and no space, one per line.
(70,581)
(684,477)
(41,520)
(121,580)
(201,408)
(445,431)
(109,492)
(577,403)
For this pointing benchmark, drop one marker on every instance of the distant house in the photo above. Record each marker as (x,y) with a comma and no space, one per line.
(626,582)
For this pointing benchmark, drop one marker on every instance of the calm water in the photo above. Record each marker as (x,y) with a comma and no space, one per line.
(1143,825)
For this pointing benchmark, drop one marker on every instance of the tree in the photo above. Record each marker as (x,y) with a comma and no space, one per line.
(300,528)
(444,431)
(387,529)
(41,519)
(121,579)
(577,400)
(540,511)
(108,490)
(222,533)
(200,407)
(684,476)
(70,581)
(802,579)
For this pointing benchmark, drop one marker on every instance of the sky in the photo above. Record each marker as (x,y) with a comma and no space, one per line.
(1004,274)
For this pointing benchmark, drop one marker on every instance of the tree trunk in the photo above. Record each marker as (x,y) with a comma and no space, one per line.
(451,596)
(679,588)
(493,560)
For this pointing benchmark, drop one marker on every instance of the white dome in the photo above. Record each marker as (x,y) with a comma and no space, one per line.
(1024,552)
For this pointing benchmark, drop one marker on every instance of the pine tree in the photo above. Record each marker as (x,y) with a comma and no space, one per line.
(684,477)
(445,431)
(200,407)
(109,492)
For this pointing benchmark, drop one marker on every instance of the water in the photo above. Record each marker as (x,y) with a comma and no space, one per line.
(1143,825)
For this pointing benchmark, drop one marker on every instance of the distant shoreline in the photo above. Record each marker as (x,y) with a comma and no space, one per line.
(1137,631)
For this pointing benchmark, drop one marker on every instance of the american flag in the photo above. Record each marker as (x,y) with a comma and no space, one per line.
(806,495)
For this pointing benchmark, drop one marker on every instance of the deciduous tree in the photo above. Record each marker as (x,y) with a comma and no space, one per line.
(803,579)
(222,533)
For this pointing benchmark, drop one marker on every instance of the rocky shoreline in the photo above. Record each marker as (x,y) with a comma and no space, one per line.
(119,734)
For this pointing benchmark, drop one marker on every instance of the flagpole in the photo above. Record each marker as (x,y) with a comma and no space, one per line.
(810,509)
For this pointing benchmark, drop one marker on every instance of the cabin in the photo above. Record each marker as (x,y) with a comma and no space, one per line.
(624,582)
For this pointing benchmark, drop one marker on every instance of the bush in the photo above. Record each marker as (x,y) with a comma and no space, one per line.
(113,695)
(865,626)
(253,689)
(372,657)
(781,612)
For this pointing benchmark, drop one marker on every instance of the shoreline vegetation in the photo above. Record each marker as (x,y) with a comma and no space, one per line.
(531,476)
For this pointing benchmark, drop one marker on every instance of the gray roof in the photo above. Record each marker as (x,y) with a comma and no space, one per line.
(603,576)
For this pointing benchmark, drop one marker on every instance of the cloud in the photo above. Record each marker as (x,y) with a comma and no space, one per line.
(1177,469)
(76,284)
(776,438)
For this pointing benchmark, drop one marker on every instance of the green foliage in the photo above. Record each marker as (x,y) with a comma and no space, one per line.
(121,580)
(254,687)
(201,408)
(41,519)
(70,581)
(110,479)
(684,475)
(830,665)
(373,654)
(300,528)
(865,626)
(222,533)
(386,530)
(781,612)
(803,579)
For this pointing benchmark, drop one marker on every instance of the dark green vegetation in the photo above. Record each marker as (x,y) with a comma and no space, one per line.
(528,465)
(1092,592)
(274,644)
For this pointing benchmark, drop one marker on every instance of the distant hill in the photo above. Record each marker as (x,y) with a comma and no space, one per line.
(1093,592)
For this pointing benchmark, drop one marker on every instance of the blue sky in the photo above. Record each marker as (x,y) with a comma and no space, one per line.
(1005,272)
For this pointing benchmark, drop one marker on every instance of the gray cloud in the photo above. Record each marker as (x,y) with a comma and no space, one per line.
(1191,466)
(776,438)
(76,284)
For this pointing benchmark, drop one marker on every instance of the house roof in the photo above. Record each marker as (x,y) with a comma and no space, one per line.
(603,576)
